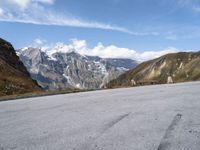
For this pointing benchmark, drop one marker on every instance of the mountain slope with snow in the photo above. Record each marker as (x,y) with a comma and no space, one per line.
(61,68)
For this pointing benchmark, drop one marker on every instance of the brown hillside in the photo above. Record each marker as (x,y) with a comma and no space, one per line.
(176,67)
(14,78)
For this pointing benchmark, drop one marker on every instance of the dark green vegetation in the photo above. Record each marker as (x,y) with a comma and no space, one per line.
(176,67)
(14,78)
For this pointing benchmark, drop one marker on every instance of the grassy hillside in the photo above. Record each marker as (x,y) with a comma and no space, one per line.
(176,67)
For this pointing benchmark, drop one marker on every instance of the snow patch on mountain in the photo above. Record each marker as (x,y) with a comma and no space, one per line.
(63,67)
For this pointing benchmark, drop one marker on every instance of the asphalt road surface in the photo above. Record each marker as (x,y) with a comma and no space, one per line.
(160,117)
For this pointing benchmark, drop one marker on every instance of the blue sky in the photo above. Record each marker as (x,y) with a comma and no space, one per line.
(141,25)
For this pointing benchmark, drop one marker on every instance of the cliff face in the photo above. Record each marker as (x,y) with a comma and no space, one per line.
(14,78)
(62,70)
(170,68)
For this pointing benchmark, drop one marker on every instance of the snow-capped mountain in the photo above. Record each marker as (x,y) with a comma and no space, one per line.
(61,69)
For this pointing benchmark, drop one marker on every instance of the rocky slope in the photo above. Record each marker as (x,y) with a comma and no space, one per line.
(60,70)
(14,78)
(176,67)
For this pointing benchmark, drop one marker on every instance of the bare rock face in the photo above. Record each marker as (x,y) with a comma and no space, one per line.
(62,70)
(170,68)
(14,78)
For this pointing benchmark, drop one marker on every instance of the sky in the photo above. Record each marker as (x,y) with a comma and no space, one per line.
(108,28)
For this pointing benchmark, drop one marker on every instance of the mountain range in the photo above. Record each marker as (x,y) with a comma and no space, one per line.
(30,69)
(14,77)
(170,68)
(59,69)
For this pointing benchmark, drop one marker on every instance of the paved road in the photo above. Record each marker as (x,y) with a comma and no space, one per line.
(161,117)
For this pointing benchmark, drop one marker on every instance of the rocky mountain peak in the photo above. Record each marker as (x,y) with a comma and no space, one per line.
(64,68)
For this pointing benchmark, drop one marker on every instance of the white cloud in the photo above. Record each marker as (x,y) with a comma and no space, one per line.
(45,1)
(34,12)
(110,51)
(24,4)
(113,51)
(19,3)
(39,41)
(148,55)
(1,11)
